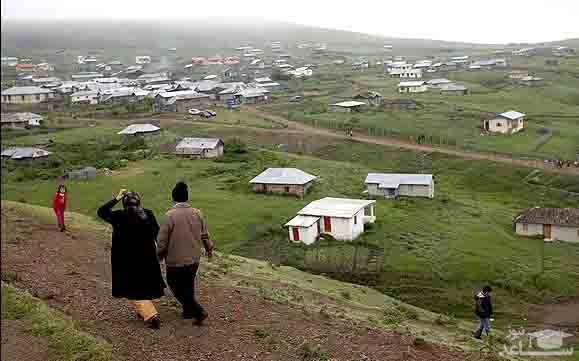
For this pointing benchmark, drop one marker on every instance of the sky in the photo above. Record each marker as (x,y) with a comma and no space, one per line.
(488,21)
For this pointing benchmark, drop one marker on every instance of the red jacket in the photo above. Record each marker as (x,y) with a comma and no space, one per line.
(59,201)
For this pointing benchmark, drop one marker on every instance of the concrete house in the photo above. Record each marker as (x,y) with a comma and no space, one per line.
(20,120)
(412,74)
(140,130)
(283,181)
(85,97)
(342,218)
(252,96)
(506,123)
(26,95)
(24,153)
(373,98)
(412,87)
(200,147)
(392,185)
(179,101)
(347,106)
(454,89)
(552,224)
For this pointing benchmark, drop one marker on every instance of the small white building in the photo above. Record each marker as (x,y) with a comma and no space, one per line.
(392,185)
(288,181)
(24,153)
(140,129)
(506,123)
(85,97)
(20,120)
(341,218)
(347,106)
(437,83)
(143,59)
(551,223)
(26,95)
(412,87)
(411,74)
(200,147)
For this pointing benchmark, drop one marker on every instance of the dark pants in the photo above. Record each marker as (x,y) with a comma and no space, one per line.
(181,280)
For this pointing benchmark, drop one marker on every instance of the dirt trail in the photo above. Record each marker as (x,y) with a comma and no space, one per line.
(71,272)
(392,142)
(19,344)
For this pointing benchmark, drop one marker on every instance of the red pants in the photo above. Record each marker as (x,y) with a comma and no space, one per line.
(59,217)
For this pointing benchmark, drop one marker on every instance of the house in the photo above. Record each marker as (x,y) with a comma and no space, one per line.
(456,89)
(20,120)
(342,218)
(26,95)
(302,72)
(24,153)
(9,61)
(252,96)
(392,185)
(373,98)
(142,59)
(283,181)
(86,76)
(400,103)
(531,80)
(411,74)
(551,223)
(347,106)
(360,65)
(140,129)
(507,123)
(200,147)
(437,83)
(179,101)
(518,74)
(44,81)
(25,68)
(85,97)
(412,87)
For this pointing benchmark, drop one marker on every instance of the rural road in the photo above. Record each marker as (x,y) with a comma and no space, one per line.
(391,142)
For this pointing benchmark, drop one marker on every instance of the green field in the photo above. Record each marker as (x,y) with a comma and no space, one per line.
(434,253)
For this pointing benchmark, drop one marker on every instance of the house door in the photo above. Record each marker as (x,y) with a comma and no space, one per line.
(546,231)
(296,234)
(327,224)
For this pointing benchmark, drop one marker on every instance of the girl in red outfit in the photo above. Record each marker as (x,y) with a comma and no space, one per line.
(59,205)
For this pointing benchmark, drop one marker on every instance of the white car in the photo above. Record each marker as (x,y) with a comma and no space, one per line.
(194,111)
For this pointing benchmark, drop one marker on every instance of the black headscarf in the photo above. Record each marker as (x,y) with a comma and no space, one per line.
(132,203)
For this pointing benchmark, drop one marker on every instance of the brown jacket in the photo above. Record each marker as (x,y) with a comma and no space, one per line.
(182,235)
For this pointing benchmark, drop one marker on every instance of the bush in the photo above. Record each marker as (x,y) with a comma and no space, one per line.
(313,352)
(235,146)
(262,332)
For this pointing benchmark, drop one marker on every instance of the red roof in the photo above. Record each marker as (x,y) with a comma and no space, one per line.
(25,65)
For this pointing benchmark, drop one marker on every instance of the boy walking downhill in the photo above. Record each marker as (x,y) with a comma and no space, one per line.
(483,308)
(182,235)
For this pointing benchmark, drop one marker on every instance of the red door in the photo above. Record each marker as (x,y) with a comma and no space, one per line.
(296,234)
(327,224)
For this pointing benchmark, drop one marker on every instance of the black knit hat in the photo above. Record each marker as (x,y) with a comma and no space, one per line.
(180,193)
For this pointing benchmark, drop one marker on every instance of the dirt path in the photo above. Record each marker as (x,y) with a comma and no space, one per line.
(71,272)
(19,344)
(392,142)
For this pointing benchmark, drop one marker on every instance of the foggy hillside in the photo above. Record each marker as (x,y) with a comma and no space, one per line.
(202,35)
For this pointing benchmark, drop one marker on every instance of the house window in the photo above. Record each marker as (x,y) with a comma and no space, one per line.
(286,189)
(499,125)
(23,98)
(37,97)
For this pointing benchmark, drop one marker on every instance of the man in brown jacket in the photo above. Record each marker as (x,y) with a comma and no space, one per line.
(180,239)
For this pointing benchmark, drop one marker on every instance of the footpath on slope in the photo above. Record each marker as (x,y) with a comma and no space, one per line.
(70,271)
(392,142)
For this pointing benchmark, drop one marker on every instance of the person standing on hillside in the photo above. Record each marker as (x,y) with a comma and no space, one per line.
(182,236)
(59,206)
(483,308)
(135,268)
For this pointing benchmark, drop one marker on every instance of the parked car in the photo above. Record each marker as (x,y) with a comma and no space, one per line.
(194,111)
(205,114)
(211,112)
(296,99)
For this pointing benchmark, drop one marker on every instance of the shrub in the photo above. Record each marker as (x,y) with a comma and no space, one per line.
(313,352)
(235,146)
(262,332)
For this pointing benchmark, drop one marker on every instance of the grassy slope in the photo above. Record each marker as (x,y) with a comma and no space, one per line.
(65,341)
(435,251)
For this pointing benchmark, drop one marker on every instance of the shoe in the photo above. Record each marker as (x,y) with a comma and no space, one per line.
(154,322)
(201,318)
(477,334)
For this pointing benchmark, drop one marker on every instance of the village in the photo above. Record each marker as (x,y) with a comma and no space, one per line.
(409,172)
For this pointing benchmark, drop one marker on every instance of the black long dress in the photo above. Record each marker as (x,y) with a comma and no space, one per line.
(136,273)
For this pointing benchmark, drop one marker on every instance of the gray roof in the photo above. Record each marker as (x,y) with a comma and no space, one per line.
(139,128)
(411,83)
(253,92)
(438,81)
(26,90)
(200,143)
(283,176)
(22,153)
(512,115)
(453,87)
(394,180)
(19,117)
(335,207)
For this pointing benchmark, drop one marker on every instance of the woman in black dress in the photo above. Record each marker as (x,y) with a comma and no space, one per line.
(136,273)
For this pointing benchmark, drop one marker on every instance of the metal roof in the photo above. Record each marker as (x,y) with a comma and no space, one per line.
(393,180)
(283,176)
(453,87)
(19,117)
(438,81)
(253,92)
(263,80)
(22,153)
(25,90)
(411,83)
(201,143)
(348,104)
(139,128)
(335,207)
(512,115)
(302,221)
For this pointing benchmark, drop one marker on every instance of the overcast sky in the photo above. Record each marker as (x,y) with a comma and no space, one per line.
(486,21)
